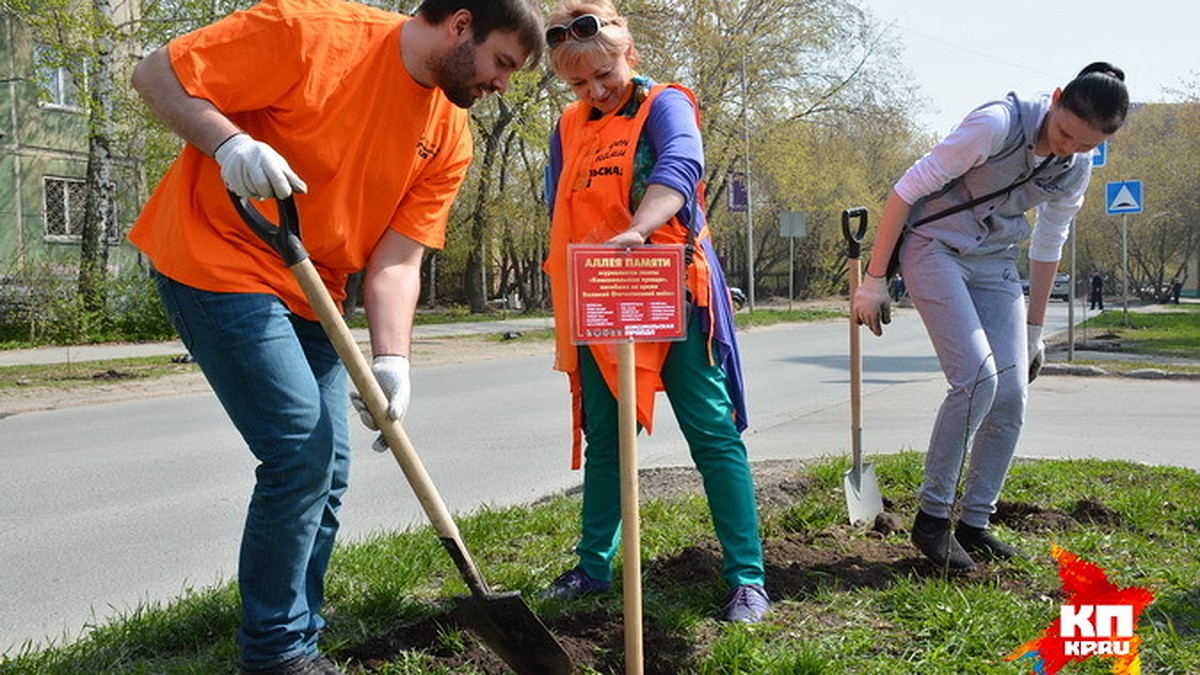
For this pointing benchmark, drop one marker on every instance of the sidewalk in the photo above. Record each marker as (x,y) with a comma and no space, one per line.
(103,352)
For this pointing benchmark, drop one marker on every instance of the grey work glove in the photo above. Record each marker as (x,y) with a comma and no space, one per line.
(252,168)
(871,305)
(1037,350)
(391,371)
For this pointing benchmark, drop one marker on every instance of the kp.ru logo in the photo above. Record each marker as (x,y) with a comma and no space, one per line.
(1097,619)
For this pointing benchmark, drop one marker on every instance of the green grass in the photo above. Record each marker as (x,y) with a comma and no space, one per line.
(87,373)
(770,317)
(909,622)
(1174,332)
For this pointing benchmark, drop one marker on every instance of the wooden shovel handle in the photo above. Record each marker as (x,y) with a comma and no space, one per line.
(285,239)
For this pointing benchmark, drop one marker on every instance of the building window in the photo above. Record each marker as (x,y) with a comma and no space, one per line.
(58,86)
(65,202)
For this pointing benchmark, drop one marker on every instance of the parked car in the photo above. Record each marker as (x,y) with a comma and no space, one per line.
(1062,287)
(738,297)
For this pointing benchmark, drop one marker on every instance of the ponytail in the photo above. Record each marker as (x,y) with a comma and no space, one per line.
(1098,96)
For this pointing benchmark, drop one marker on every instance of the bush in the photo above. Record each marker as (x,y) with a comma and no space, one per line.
(41,305)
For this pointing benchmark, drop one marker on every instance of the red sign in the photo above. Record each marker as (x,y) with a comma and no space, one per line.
(1097,619)
(626,293)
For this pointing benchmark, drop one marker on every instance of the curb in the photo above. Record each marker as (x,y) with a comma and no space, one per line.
(1096,371)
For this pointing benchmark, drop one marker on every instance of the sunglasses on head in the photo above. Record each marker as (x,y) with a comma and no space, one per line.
(583,27)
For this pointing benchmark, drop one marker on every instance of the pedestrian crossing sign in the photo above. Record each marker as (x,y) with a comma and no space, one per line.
(1123,197)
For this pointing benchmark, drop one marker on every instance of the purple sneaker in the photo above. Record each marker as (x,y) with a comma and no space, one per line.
(746,604)
(574,583)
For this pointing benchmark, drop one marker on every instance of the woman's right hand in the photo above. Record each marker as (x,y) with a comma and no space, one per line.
(871,305)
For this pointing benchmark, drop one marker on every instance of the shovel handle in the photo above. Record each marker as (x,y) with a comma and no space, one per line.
(285,239)
(854,238)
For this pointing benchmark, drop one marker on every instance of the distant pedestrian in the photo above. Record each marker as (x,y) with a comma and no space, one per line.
(1097,296)
(1176,289)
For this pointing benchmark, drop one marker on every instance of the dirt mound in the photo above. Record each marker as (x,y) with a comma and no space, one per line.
(800,564)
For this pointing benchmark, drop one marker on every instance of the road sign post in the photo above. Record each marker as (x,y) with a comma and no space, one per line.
(791,225)
(1124,197)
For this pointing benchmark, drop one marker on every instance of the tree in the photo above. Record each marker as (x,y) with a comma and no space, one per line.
(1159,145)
(809,92)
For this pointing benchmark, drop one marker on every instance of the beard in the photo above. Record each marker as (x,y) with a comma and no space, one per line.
(454,74)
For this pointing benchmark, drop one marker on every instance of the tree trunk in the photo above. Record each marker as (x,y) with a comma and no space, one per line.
(99,209)
(478,221)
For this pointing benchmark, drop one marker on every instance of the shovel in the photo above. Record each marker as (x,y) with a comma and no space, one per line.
(502,620)
(863,500)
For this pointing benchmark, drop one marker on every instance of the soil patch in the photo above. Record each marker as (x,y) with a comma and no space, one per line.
(799,564)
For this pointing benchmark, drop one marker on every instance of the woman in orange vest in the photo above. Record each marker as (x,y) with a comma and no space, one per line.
(626,165)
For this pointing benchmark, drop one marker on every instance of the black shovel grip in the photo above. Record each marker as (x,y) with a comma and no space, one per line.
(854,238)
(284,237)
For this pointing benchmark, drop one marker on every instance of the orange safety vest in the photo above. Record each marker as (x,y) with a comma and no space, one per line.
(592,205)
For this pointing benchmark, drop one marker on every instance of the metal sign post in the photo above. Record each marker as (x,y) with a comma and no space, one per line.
(1124,197)
(791,225)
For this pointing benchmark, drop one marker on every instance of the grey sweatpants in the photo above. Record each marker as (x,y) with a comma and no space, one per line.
(974,312)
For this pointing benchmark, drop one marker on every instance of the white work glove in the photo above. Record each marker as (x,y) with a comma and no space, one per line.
(1037,350)
(252,168)
(871,305)
(391,371)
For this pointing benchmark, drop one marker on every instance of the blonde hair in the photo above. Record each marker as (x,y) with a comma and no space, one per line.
(614,38)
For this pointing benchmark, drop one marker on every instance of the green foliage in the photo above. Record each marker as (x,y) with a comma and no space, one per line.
(42,306)
(1159,145)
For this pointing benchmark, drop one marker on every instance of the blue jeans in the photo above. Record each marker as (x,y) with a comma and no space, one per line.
(281,383)
(696,390)
(974,311)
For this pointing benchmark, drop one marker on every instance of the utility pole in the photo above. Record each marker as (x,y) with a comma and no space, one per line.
(749,194)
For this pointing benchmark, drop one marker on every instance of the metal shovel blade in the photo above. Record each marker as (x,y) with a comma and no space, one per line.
(863,499)
(507,625)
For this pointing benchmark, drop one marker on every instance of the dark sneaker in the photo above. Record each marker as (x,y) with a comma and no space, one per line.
(980,540)
(299,665)
(326,666)
(932,537)
(574,583)
(746,604)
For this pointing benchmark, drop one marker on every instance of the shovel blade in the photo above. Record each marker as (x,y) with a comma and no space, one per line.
(863,499)
(510,629)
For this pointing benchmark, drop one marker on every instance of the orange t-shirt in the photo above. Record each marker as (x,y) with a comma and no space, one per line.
(323,83)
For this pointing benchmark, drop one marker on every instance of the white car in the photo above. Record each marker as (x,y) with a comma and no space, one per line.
(1062,287)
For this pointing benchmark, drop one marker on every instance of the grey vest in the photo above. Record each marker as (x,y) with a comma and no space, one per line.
(1000,223)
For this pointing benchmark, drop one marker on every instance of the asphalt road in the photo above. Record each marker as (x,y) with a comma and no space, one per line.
(111,506)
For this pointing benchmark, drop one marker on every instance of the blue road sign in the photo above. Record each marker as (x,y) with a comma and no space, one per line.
(1123,197)
(1100,154)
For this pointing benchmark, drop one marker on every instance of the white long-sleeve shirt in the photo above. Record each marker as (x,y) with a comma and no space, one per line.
(980,135)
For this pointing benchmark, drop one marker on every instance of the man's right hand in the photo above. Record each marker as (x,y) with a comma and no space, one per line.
(871,305)
(391,371)
(252,168)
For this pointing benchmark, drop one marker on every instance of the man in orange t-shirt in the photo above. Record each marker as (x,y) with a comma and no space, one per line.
(360,113)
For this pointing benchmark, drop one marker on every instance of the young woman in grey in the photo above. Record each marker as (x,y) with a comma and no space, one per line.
(960,269)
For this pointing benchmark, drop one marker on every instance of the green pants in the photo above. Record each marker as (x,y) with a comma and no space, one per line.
(702,407)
